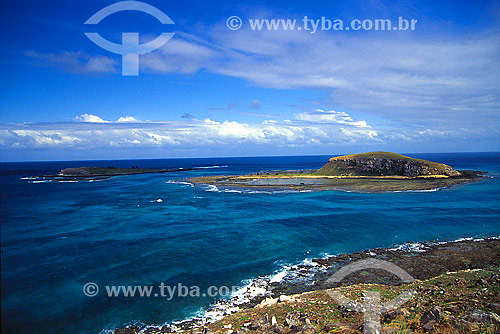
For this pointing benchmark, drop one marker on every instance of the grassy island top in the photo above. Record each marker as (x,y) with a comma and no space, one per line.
(377,154)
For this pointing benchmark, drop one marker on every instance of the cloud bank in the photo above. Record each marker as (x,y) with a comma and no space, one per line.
(92,131)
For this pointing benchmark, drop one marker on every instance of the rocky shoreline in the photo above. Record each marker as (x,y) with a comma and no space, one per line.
(423,261)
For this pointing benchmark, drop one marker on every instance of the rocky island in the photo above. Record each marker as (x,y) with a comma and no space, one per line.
(365,172)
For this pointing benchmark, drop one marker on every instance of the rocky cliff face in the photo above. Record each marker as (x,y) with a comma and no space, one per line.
(366,165)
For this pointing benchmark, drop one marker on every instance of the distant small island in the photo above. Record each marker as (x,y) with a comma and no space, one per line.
(102,173)
(364,172)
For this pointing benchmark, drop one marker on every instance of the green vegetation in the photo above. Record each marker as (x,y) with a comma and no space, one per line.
(377,154)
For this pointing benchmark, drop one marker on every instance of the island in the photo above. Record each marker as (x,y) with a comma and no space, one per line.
(101,173)
(365,172)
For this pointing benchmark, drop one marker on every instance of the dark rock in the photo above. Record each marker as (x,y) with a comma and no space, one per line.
(307,329)
(429,318)
(392,315)
(389,330)
(295,318)
(432,314)
(429,325)
(495,306)
(165,329)
(260,324)
(128,330)
(481,282)
(277,328)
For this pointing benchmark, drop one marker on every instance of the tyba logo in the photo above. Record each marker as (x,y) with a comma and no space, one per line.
(130,49)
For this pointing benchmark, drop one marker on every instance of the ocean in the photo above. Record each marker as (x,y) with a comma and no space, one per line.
(142,230)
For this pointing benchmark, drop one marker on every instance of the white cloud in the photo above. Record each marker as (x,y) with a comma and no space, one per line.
(127,119)
(179,55)
(331,116)
(355,134)
(89,118)
(75,62)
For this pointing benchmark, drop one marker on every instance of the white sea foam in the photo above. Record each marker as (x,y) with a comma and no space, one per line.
(58,180)
(415,247)
(258,192)
(180,182)
(211,187)
(418,190)
(267,192)
(279,276)
(309,262)
(233,191)
(473,239)
(209,167)
(249,290)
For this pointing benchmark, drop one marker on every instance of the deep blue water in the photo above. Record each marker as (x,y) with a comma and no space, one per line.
(58,236)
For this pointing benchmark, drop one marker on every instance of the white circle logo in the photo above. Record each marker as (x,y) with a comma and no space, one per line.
(90,289)
(371,306)
(234,23)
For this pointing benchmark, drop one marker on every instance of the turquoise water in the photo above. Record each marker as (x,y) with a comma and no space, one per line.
(58,236)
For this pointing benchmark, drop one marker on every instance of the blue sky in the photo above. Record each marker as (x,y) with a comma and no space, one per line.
(211,91)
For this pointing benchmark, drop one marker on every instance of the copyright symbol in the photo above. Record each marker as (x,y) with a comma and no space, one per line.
(90,289)
(234,23)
